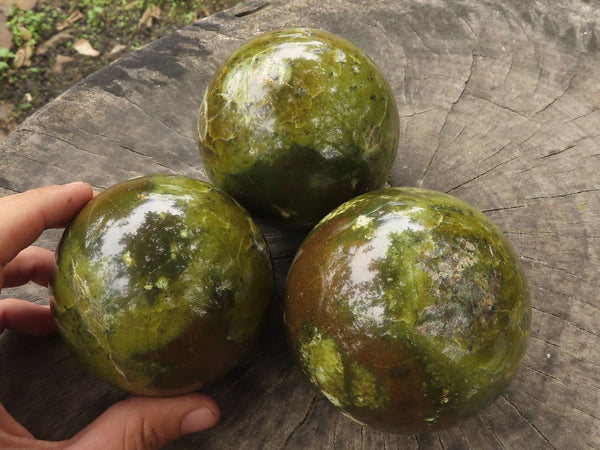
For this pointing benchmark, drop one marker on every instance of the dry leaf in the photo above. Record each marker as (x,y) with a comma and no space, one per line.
(23,56)
(70,20)
(47,45)
(25,33)
(5,110)
(152,12)
(61,61)
(83,47)
(117,49)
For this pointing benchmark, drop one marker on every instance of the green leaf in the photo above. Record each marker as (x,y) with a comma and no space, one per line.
(5,53)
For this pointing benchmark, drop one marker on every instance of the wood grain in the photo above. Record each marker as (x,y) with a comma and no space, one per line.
(499,105)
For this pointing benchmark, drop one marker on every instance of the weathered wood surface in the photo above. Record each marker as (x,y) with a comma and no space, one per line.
(499,105)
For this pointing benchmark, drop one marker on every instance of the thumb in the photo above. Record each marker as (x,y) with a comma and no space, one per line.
(148,422)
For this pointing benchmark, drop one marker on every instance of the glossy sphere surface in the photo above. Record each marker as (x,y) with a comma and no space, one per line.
(161,284)
(407,309)
(296,122)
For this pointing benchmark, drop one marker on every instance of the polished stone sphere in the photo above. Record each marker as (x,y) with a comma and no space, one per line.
(408,309)
(295,122)
(161,284)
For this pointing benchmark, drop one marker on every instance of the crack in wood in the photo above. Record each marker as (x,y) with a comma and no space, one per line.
(545,233)
(213,24)
(450,110)
(529,422)
(133,151)
(491,431)
(568,297)
(496,152)
(547,265)
(558,152)
(473,33)
(422,41)
(506,208)
(45,163)
(6,187)
(129,149)
(252,10)
(86,150)
(250,416)
(302,422)
(509,70)
(335,433)
(481,174)
(540,372)
(159,120)
(560,349)
(362,438)
(502,107)
(510,20)
(587,413)
(571,145)
(540,66)
(460,158)
(418,113)
(567,194)
(441,442)
(558,415)
(565,319)
(567,88)
(582,116)
(25,130)
(64,141)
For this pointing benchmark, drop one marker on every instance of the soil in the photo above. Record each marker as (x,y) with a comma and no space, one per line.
(57,62)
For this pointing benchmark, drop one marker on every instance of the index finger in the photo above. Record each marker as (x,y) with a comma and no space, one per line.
(24,216)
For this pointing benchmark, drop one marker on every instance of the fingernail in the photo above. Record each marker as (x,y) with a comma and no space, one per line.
(198,420)
(75,183)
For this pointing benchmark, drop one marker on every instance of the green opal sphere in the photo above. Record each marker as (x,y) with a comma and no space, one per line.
(161,284)
(295,122)
(408,309)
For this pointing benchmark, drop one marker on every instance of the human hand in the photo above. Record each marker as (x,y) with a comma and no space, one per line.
(135,423)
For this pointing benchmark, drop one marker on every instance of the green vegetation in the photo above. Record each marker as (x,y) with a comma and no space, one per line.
(33,68)
(29,26)
(6,56)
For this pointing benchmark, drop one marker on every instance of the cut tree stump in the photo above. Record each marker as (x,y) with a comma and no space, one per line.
(500,106)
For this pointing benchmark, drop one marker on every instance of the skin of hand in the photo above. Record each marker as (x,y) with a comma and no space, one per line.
(135,423)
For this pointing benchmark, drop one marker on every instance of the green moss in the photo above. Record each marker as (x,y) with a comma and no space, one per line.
(31,24)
